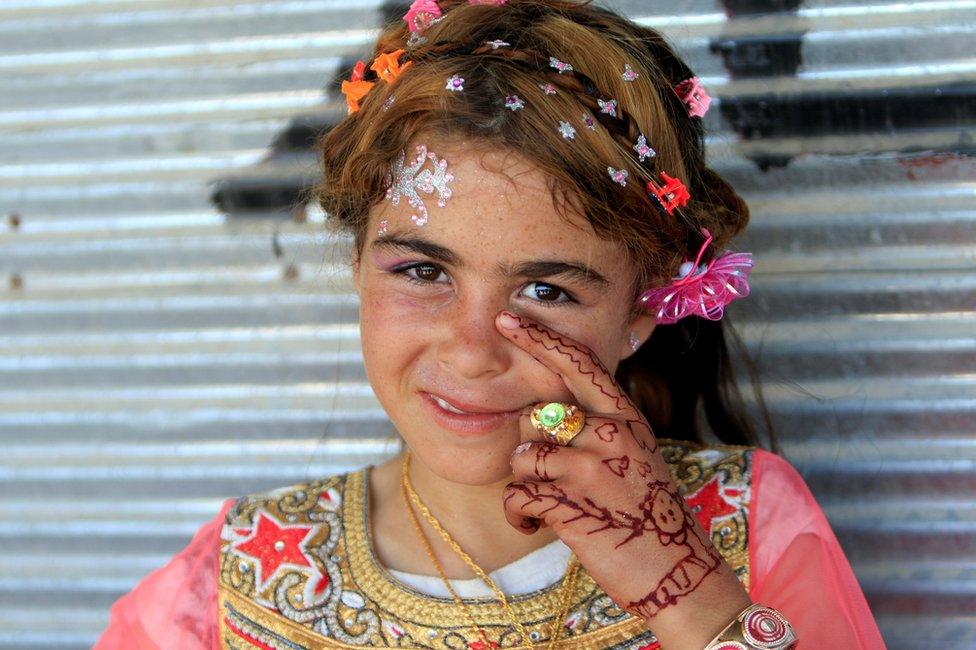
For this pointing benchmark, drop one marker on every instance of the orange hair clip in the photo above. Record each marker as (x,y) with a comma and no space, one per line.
(387,68)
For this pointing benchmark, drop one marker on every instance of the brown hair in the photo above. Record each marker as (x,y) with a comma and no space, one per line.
(684,372)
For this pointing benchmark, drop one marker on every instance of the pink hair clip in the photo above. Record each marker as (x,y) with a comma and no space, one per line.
(701,289)
(694,96)
(421,15)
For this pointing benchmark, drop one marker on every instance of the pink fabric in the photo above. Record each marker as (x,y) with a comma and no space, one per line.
(175,606)
(797,567)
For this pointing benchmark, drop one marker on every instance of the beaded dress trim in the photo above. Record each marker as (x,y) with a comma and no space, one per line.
(298,571)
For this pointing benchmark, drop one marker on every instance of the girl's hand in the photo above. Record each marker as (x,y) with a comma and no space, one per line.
(610,497)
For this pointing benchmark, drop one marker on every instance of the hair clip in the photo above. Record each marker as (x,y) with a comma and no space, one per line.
(455,83)
(562,66)
(694,96)
(643,149)
(406,181)
(618,175)
(356,87)
(609,107)
(387,66)
(421,15)
(673,194)
(701,289)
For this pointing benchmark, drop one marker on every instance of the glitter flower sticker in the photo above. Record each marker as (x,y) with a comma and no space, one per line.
(455,83)
(567,130)
(618,175)
(609,107)
(643,149)
(514,102)
(409,181)
(356,87)
(387,66)
(562,66)
(694,96)
(628,73)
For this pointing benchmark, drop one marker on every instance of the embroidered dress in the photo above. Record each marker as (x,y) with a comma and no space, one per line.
(295,568)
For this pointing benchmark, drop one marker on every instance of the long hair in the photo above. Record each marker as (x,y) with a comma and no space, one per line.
(682,377)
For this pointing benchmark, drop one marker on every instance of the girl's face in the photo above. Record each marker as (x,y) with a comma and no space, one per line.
(429,296)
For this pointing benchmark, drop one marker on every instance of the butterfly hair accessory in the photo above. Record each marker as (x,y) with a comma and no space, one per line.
(701,289)
(409,181)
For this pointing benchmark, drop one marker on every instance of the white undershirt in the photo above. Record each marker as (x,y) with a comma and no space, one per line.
(540,568)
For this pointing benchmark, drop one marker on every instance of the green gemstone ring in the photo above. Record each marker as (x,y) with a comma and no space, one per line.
(557,421)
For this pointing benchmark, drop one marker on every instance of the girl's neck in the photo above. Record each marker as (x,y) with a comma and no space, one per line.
(473,515)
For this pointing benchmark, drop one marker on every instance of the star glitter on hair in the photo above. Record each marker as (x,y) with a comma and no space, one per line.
(567,130)
(514,102)
(406,181)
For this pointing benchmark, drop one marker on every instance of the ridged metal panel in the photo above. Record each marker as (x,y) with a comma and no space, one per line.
(157,355)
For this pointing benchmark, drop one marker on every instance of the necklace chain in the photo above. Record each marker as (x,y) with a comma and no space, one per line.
(566,588)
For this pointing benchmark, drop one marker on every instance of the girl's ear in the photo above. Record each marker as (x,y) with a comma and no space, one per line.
(638,331)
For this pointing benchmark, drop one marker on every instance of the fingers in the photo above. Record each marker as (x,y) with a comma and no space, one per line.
(529,505)
(590,382)
(541,461)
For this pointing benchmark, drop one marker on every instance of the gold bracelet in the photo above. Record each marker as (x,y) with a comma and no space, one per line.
(755,628)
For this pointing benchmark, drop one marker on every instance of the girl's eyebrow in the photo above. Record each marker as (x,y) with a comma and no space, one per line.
(529,268)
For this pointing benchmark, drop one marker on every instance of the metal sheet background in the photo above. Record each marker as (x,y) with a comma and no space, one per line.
(158,353)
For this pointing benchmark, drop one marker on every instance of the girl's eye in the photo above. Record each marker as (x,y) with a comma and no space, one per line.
(426,273)
(547,291)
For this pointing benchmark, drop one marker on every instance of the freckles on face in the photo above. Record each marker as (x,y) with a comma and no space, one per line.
(429,294)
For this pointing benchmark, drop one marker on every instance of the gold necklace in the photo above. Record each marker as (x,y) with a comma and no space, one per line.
(566,588)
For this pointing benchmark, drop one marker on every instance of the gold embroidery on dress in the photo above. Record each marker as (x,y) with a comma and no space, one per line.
(298,571)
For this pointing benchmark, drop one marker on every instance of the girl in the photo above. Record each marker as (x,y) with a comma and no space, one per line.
(525,187)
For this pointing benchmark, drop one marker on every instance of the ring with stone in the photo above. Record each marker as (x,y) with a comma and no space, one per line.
(559,422)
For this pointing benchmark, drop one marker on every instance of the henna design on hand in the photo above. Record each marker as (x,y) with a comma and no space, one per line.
(618,465)
(607,431)
(662,512)
(603,379)
(544,450)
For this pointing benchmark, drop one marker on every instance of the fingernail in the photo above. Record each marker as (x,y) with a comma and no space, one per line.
(522,447)
(508,320)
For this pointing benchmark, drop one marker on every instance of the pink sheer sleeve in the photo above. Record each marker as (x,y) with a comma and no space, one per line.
(797,565)
(174,606)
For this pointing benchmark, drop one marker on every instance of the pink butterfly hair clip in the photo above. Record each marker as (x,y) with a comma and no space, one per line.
(701,289)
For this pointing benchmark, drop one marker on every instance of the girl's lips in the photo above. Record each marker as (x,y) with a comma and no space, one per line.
(466,423)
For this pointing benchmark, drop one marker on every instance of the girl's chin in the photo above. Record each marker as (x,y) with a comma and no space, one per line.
(467,466)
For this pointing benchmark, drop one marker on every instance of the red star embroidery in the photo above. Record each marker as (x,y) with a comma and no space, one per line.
(707,504)
(274,544)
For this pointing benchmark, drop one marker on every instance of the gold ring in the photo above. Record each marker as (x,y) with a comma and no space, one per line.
(557,421)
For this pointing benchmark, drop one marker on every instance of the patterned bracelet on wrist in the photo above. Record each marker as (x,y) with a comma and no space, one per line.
(756,628)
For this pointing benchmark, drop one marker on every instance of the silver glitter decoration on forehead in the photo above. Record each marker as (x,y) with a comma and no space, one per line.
(406,181)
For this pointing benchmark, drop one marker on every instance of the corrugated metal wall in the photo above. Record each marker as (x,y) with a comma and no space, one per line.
(158,354)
